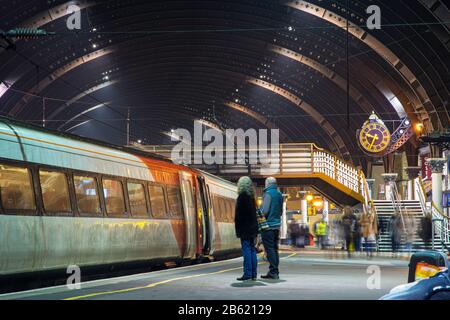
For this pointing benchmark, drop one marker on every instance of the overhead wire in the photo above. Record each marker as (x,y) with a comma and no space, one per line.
(80,91)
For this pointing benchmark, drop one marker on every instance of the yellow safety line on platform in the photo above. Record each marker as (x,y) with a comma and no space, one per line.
(151,285)
(291,255)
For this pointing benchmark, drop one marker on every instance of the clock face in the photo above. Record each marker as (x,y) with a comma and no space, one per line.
(374,137)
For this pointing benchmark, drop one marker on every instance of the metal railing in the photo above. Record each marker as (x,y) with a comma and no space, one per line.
(328,164)
(397,203)
(421,193)
(441,227)
(440,222)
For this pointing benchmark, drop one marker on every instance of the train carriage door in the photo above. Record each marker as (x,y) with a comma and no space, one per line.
(190,216)
(206,241)
(212,220)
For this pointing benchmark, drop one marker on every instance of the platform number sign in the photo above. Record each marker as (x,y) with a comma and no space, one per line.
(374,136)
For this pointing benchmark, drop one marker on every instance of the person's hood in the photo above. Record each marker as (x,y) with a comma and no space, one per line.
(271,186)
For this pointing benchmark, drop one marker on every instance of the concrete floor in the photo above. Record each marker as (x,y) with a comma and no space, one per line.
(303,276)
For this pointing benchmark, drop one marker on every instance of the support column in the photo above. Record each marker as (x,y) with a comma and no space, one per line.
(283,227)
(389,180)
(413,173)
(437,165)
(325,209)
(304,207)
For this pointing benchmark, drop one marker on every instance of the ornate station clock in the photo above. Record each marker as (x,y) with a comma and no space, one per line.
(374,136)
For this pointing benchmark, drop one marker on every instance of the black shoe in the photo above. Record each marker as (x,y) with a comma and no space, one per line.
(254,278)
(270,276)
(243,278)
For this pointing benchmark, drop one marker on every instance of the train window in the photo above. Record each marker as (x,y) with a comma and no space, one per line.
(224,209)
(87,195)
(113,192)
(16,188)
(233,208)
(175,204)
(55,191)
(138,204)
(188,194)
(220,214)
(217,210)
(157,201)
(228,205)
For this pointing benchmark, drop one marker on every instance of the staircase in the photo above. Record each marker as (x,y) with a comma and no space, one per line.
(385,209)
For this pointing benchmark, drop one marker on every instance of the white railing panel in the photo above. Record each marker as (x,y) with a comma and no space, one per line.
(296,170)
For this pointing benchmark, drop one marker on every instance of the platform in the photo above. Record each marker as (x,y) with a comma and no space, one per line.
(304,275)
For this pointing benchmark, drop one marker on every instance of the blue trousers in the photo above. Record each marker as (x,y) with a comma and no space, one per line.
(250,259)
(270,240)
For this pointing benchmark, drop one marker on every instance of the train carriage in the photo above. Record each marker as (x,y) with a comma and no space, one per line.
(66,200)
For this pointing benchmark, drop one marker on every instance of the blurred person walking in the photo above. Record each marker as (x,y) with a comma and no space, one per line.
(395,232)
(369,232)
(246,226)
(357,236)
(349,228)
(294,230)
(410,232)
(302,239)
(272,207)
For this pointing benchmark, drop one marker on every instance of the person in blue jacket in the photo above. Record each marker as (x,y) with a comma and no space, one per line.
(272,206)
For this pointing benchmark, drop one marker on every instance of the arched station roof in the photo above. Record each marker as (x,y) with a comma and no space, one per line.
(237,63)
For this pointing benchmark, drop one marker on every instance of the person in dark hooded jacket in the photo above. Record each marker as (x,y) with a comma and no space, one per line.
(247,226)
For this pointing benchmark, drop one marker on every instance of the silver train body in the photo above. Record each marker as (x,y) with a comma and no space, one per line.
(71,201)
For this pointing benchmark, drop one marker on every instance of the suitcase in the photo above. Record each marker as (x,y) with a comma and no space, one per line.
(300,242)
(425,264)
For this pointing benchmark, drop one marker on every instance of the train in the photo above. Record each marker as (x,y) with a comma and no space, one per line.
(67,200)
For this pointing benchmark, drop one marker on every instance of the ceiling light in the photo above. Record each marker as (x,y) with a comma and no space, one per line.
(3,88)
(318,204)
(419,127)
(94,46)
